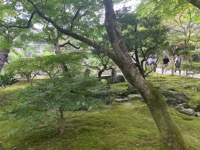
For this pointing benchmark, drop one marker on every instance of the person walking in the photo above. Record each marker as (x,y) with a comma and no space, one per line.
(165,64)
(177,63)
(150,61)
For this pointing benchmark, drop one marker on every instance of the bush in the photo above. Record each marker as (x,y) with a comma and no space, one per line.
(52,65)
(7,79)
(195,67)
(55,99)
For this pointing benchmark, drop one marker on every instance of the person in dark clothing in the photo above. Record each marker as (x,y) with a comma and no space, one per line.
(165,64)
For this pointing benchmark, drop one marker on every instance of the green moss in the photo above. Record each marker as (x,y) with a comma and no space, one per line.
(180,84)
(117,127)
(120,86)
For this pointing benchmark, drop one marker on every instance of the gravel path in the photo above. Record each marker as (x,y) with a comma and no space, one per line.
(183,73)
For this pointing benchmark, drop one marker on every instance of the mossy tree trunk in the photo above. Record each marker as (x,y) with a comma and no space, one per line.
(170,134)
(27,76)
(58,52)
(1,147)
(196,3)
(62,122)
(3,57)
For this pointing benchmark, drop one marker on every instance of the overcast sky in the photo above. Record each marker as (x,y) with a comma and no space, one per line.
(132,3)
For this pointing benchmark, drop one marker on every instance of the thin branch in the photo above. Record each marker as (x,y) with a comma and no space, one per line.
(72,34)
(75,17)
(77,47)
(69,43)
(17,26)
(196,3)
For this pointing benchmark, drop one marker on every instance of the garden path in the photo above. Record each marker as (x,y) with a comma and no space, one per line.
(183,73)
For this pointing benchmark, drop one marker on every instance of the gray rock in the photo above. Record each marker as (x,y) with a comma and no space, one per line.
(171,101)
(121,100)
(187,111)
(174,98)
(198,114)
(132,97)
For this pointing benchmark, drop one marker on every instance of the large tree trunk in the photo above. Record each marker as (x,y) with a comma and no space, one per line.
(1,147)
(3,57)
(170,134)
(196,3)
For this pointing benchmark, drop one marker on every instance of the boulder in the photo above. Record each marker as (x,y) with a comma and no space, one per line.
(198,114)
(171,101)
(132,97)
(175,98)
(121,100)
(187,111)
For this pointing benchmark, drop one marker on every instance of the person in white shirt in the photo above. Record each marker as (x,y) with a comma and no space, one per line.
(177,63)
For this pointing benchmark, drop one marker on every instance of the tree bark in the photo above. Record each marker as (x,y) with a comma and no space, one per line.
(62,123)
(170,134)
(196,3)
(58,52)
(3,57)
(1,147)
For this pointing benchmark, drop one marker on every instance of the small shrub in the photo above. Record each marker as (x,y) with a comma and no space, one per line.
(54,100)
(7,79)
(194,68)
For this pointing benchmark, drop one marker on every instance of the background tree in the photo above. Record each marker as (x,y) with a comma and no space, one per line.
(182,20)
(196,3)
(11,19)
(50,64)
(184,32)
(144,36)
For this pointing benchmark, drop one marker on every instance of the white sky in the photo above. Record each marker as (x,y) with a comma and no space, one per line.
(132,3)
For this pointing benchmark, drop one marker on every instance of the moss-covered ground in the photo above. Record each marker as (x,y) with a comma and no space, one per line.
(118,127)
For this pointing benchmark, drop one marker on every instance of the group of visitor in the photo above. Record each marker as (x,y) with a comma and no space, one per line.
(177,63)
(151,61)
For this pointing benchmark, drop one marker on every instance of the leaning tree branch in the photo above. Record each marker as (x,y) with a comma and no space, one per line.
(73,34)
(196,3)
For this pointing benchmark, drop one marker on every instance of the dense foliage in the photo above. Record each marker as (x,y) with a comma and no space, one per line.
(144,37)
(7,79)
(50,64)
(53,100)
